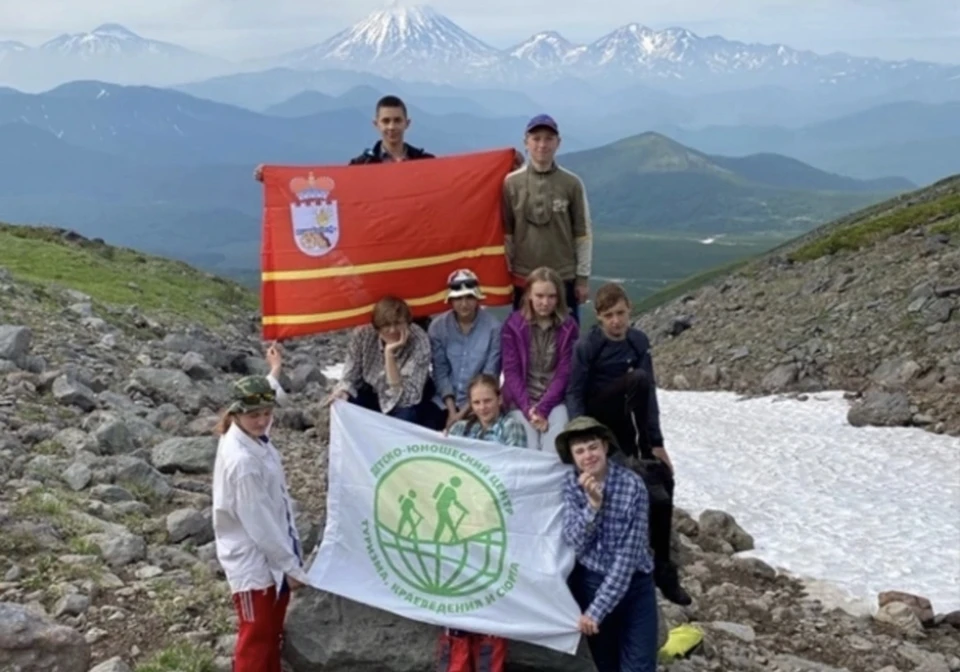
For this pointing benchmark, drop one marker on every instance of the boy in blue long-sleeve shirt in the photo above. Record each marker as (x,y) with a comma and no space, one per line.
(613,381)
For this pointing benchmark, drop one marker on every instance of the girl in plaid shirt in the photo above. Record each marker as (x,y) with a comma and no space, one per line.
(605,512)
(462,651)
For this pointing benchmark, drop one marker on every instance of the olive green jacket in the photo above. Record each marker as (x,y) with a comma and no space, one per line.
(547,222)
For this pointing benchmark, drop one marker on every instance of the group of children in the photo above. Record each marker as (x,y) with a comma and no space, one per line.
(590,399)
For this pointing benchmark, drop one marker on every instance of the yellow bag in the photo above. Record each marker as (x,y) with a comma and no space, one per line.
(682,640)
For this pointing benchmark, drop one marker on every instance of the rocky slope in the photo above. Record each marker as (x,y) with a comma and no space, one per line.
(869,304)
(106,560)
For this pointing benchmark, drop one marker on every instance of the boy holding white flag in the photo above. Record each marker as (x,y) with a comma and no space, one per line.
(605,512)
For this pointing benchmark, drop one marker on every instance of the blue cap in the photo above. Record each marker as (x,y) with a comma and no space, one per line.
(542,121)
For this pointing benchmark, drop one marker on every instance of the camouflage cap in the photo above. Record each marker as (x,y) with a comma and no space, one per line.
(251,393)
(583,426)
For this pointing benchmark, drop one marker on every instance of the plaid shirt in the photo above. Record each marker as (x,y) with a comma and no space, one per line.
(506,431)
(612,540)
(365,364)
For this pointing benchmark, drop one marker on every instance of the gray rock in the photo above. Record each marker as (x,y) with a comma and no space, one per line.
(938,311)
(194,455)
(195,366)
(925,661)
(896,372)
(114,438)
(184,524)
(880,408)
(14,342)
(74,440)
(71,392)
(119,550)
(110,494)
(77,476)
(325,633)
(303,375)
(71,604)
(81,309)
(901,616)
(136,473)
(31,643)
(720,526)
(169,385)
(780,378)
(168,418)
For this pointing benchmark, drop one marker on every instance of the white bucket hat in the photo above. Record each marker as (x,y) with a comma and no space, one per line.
(463,282)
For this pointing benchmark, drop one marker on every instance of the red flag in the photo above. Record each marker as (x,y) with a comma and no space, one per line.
(336,239)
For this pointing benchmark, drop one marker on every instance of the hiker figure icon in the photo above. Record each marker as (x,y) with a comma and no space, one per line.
(446,496)
(408,509)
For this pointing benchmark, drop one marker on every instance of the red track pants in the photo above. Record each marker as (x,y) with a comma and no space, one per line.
(260,632)
(469,652)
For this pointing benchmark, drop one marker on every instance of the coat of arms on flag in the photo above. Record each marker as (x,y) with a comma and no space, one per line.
(315,219)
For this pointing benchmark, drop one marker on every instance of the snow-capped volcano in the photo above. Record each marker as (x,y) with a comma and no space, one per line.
(419,43)
(396,39)
(108,40)
(110,53)
(547,50)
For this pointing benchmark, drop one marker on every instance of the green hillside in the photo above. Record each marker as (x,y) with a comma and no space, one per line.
(649,182)
(937,206)
(110,275)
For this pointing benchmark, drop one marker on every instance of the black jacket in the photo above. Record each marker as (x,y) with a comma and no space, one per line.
(591,369)
(375,154)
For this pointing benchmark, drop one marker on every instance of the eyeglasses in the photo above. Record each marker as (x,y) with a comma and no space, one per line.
(463,284)
(259,398)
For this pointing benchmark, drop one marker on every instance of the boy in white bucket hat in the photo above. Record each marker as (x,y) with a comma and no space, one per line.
(465,342)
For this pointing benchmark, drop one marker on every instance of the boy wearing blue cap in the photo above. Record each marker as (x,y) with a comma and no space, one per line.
(547,217)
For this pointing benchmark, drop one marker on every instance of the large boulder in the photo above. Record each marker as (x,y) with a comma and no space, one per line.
(32,643)
(326,633)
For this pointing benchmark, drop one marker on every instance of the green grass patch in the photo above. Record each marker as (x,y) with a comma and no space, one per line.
(55,508)
(884,225)
(180,658)
(120,276)
(949,226)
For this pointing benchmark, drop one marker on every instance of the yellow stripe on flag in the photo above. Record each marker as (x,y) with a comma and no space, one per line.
(317,318)
(380,267)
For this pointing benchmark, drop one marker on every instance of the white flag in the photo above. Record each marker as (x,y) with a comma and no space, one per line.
(445,530)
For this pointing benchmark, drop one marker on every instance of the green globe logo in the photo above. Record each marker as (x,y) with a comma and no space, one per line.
(439,527)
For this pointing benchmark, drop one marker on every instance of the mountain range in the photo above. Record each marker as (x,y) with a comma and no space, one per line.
(172,173)
(401,41)
(419,43)
(916,140)
(649,182)
(110,52)
(920,141)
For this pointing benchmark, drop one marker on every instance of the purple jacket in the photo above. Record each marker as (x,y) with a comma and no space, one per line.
(515,355)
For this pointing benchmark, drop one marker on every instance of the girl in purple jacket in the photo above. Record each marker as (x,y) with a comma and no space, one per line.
(536,348)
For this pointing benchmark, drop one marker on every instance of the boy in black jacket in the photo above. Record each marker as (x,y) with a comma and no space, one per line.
(391,121)
(612,381)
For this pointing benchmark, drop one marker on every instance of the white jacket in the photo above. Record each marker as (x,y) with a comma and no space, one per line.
(256,537)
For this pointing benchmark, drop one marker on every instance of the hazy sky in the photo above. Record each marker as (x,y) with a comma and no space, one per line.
(895,29)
